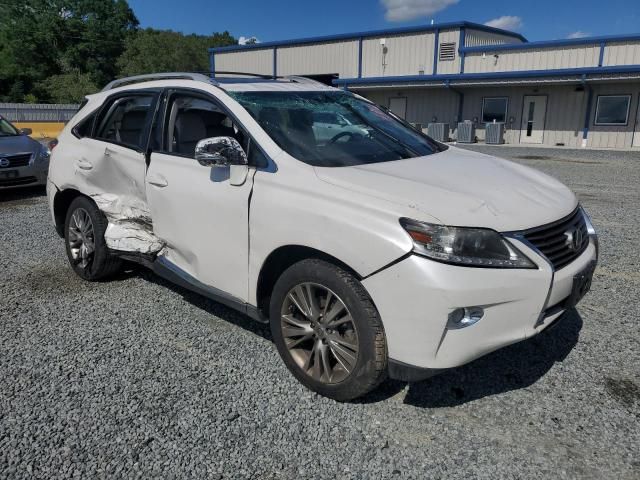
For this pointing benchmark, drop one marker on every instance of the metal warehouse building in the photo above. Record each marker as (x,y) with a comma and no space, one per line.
(576,93)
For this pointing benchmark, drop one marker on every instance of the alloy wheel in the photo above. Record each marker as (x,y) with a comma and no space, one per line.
(81,238)
(319,333)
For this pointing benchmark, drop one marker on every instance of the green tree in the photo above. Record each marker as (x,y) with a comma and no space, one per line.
(42,39)
(68,87)
(150,50)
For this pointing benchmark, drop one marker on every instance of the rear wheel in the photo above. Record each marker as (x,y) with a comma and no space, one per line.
(327,330)
(87,251)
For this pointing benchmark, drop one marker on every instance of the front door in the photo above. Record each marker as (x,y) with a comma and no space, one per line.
(533,115)
(398,105)
(196,211)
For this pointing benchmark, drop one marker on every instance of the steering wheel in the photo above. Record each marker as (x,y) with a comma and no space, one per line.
(342,134)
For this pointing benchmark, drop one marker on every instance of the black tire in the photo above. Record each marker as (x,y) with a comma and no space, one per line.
(103,264)
(371,364)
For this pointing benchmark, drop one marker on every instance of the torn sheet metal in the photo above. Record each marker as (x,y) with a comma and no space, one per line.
(130,226)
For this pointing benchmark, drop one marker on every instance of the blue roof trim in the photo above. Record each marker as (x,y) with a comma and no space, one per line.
(488,76)
(553,43)
(369,34)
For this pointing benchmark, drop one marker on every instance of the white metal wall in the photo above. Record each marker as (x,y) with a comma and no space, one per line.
(564,119)
(532,59)
(406,55)
(250,61)
(322,58)
(422,104)
(622,53)
(476,38)
(450,36)
(614,136)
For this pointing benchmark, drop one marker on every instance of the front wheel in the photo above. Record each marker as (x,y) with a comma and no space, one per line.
(327,330)
(87,251)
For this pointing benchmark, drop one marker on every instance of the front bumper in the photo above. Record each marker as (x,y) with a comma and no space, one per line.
(416,296)
(30,175)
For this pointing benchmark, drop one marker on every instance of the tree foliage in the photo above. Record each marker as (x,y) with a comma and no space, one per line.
(149,51)
(62,50)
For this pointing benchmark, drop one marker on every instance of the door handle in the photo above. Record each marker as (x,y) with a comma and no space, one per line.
(157,180)
(84,164)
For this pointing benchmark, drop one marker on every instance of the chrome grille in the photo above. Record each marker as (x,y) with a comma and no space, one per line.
(19,160)
(562,241)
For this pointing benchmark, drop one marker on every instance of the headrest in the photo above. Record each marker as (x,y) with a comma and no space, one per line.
(133,120)
(190,127)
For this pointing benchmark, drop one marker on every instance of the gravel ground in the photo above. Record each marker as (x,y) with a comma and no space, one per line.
(137,378)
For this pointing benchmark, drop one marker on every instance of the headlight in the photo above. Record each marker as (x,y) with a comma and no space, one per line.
(44,154)
(474,247)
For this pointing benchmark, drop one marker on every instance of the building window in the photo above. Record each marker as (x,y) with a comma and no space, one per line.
(447,51)
(494,109)
(612,110)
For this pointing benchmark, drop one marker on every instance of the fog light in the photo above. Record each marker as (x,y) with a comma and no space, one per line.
(464,317)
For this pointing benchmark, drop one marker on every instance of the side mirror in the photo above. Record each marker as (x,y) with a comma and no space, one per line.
(26,131)
(220,152)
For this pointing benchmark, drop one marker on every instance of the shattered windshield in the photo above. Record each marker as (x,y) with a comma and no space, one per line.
(334,129)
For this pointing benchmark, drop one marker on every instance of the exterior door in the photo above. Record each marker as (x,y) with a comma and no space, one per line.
(636,133)
(113,161)
(196,211)
(398,105)
(533,114)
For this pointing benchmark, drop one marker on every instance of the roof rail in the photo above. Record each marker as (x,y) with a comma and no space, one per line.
(157,76)
(245,74)
(307,80)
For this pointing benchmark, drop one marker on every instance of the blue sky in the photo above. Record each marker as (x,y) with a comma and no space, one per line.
(283,19)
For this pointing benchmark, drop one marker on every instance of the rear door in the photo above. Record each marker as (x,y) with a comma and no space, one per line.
(108,159)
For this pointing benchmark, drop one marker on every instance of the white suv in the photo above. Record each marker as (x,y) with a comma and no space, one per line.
(375,251)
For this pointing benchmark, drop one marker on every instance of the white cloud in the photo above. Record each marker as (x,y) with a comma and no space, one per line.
(506,22)
(402,10)
(248,40)
(578,34)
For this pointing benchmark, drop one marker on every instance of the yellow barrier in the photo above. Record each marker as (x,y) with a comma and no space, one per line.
(42,130)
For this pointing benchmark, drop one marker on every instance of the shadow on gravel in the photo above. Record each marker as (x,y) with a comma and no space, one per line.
(22,196)
(511,368)
(211,307)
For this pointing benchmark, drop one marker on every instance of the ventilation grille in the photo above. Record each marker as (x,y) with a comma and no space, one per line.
(447,51)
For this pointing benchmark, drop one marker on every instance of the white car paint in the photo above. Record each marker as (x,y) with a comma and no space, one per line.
(221,234)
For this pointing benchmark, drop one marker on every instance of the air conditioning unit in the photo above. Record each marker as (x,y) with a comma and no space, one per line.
(494,133)
(466,132)
(438,131)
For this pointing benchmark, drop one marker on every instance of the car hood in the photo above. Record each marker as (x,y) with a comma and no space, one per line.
(460,188)
(18,144)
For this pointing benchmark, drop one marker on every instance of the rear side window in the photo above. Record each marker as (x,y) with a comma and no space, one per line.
(85,127)
(123,121)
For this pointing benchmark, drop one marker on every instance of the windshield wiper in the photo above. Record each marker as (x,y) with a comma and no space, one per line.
(379,130)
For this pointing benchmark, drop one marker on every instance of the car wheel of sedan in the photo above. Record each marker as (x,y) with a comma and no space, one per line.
(84,238)
(327,330)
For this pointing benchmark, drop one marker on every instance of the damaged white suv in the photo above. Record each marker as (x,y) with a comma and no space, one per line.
(371,251)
